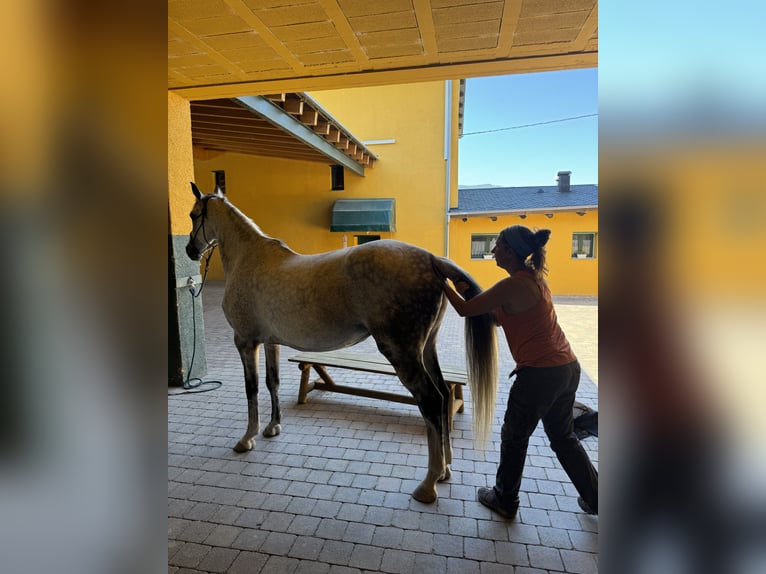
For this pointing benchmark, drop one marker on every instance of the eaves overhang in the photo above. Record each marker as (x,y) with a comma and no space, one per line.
(288,126)
(500,212)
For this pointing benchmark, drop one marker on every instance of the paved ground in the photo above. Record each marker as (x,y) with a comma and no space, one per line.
(331,494)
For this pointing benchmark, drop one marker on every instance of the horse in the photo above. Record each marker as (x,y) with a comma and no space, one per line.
(386,289)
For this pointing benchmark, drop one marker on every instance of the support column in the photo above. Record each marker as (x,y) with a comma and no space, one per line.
(186,330)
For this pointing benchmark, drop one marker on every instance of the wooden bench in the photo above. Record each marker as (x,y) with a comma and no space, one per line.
(454,377)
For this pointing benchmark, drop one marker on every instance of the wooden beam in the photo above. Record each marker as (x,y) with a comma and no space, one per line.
(310,117)
(322,128)
(293,107)
(333,136)
(342,143)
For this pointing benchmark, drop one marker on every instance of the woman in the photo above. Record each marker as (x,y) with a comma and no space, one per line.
(547,371)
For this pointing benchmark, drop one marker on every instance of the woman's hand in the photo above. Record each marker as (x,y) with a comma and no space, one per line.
(461,287)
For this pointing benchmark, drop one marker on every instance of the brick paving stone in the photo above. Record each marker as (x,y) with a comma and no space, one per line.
(405,519)
(566,520)
(250,539)
(543,501)
(304,525)
(352,512)
(201,511)
(584,541)
(418,541)
(281,565)
(196,531)
(226,515)
(218,559)
(379,516)
(542,557)
(463,526)
(449,507)
(306,548)
(388,537)
(222,535)
(554,537)
(366,557)
(312,567)
(523,533)
(429,564)
(462,566)
(493,568)
(398,561)
(327,508)
(332,529)
(278,521)
(579,562)
(248,562)
(448,545)
(533,516)
(359,533)
(336,552)
(278,543)
(511,553)
(478,549)
(189,555)
(397,500)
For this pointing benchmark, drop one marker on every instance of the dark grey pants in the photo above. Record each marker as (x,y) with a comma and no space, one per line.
(545,394)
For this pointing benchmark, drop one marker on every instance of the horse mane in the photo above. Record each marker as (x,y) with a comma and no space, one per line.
(252,226)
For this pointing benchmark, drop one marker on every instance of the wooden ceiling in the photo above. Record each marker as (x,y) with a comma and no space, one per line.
(221,50)
(293,126)
(229,48)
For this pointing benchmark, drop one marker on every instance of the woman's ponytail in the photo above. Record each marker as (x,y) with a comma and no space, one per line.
(540,238)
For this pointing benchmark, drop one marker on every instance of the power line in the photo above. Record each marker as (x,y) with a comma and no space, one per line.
(531,125)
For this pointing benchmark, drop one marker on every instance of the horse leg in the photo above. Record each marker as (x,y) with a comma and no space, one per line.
(431,362)
(272,383)
(248,352)
(438,470)
(409,369)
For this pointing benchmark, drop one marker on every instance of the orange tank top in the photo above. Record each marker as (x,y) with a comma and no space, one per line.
(534,336)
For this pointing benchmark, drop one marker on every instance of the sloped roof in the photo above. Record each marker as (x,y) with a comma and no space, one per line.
(514,199)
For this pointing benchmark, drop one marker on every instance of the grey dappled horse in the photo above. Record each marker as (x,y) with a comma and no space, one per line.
(387,289)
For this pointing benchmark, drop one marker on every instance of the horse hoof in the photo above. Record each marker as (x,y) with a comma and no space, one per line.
(424,495)
(447,475)
(244,446)
(272,430)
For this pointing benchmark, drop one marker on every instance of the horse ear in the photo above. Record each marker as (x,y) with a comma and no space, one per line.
(219,192)
(195,190)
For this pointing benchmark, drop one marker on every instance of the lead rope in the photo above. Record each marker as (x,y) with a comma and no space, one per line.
(188,385)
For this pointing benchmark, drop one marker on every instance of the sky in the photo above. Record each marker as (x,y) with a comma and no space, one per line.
(530,155)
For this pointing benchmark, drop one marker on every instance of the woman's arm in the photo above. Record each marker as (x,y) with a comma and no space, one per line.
(484,302)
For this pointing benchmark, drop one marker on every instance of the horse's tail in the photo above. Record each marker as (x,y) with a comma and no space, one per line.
(481,353)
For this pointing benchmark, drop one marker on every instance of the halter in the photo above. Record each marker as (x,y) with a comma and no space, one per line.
(208,244)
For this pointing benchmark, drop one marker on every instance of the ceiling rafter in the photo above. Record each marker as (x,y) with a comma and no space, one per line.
(290,125)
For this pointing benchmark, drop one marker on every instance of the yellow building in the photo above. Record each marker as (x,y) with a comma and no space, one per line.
(569,211)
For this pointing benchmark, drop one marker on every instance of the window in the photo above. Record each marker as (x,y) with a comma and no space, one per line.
(481,246)
(583,246)
(366,238)
(336,172)
(220,179)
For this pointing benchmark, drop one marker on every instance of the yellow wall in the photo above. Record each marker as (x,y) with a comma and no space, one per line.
(566,276)
(292,200)
(180,164)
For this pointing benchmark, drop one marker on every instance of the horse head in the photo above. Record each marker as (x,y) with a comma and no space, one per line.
(201,238)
